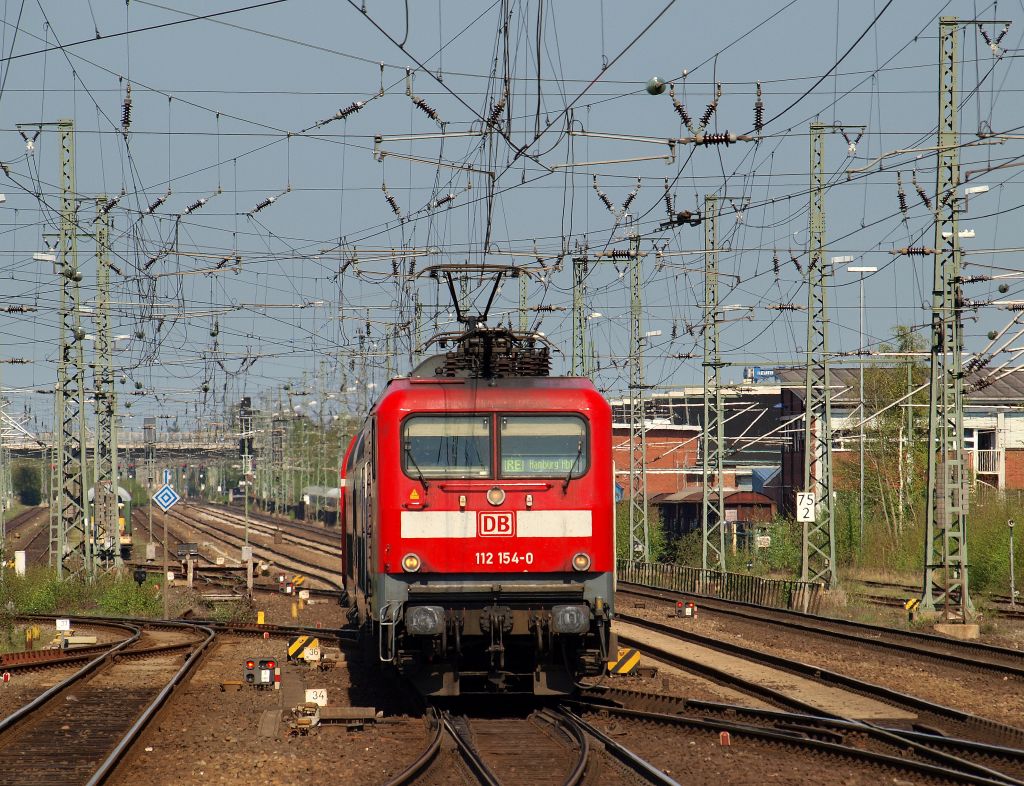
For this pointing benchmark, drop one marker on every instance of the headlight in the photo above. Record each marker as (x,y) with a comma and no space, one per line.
(410,563)
(424,620)
(570,619)
(495,495)
(581,561)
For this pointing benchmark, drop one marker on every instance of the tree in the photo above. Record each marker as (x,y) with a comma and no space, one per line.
(894,453)
(25,482)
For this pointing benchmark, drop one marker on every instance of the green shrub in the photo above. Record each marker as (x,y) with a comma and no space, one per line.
(120,596)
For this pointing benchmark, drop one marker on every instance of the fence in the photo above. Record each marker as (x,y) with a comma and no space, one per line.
(778,593)
(987,461)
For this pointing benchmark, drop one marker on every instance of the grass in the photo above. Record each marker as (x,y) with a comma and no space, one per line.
(111,595)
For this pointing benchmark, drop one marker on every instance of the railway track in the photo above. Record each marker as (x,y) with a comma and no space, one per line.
(77,731)
(320,533)
(490,751)
(312,541)
(969,654)
(984,761)
(265,552)
(35,546)
(880,594)
(924,726)
(790,748)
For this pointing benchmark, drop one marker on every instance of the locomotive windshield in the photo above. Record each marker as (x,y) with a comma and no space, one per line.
(447,446)
(543,446)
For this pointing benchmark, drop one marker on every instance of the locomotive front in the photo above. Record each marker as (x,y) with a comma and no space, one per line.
(492,564)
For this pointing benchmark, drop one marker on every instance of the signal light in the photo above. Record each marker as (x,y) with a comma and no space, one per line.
(270,664)
(249,664)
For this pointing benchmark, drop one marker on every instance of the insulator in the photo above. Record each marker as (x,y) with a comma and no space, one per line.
(901,194)
(351,109)
(675,331)
(394,266)
(111,204)
(265,203)
(621,253)
(724,138)
(680,109)
(775,263)
(444,200)
(921,192)
(156,204)
(984,34)
(367,327)
(1015,307)
(603,196)
(917,251)
(195,206)
(352,364)
(496,110)
(631,196)
(412,267)
(391,200)
(796,262)
(758,111)
(709,111)
(669,207)
(126,110)
(426,108)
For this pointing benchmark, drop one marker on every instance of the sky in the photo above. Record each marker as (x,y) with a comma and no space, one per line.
(233,104)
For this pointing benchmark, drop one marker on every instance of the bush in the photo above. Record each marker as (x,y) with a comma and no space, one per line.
(120,596)
(657,539)
(39,591)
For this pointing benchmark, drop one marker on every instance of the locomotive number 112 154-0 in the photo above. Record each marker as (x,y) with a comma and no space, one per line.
(504,558)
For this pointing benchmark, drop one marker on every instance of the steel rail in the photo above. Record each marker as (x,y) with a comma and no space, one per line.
(577,735)
(801,740)
(945,750)
(265,528)
(903,700)
(469,753)
(268,518)
(109,763)
(641,767)
(27,709)
(886,695)
(426,758)
(799,620)
(222,520)
(310,569)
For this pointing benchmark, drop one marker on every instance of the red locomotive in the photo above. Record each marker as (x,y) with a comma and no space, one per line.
(479,521)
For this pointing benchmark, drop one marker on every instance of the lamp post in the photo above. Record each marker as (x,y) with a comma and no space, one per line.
(1013,587)
(860,269)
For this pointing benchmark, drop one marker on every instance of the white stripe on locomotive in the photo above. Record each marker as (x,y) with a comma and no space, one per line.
(529,524)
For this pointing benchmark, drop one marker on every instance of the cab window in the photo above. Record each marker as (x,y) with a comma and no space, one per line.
(543,446)
(447,446)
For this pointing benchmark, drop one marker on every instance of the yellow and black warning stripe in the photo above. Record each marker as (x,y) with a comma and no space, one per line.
(626,659)
(297,645)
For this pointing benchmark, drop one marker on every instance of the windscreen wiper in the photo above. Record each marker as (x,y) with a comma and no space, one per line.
(415,466)
(579,454)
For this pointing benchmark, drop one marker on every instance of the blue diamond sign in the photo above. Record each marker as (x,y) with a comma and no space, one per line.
(166,498)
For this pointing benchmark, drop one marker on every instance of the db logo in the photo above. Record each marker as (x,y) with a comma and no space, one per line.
(499,524)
